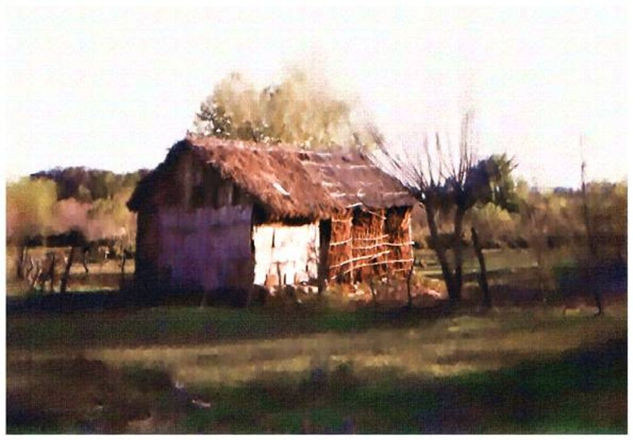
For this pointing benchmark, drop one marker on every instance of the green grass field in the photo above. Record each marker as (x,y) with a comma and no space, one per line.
(326,367)
(265,370)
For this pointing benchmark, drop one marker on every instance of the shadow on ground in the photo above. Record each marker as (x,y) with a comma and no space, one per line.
(581,391)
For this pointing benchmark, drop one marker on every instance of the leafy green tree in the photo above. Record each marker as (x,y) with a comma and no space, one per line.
(494,188)
(111,218)
(300,110)
(29,207)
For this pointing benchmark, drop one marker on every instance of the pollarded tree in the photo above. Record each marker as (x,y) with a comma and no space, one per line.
(438,182)
(441,182)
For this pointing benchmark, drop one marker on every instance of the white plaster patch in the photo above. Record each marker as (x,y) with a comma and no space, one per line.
(289,252)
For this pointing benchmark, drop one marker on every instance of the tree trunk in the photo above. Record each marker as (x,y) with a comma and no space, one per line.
(84,259)
(26,272)
(458,250)
(22,252)
(325,233)
(447,272)
(483,276)
(36,273)
(66,275)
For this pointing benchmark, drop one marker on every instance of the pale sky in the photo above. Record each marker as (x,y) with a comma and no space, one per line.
(113,87)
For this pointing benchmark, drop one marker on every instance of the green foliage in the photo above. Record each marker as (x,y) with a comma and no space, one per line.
(548,219)
(493,194)
(58,200)
(300,110)
(556,216)
(502,185)
(491,181)
(83,194)
(607,204)
(112,215)
(495,225)
(29,207)
(86,185)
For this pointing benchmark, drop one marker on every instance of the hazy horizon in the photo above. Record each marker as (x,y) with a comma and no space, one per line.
(113,88)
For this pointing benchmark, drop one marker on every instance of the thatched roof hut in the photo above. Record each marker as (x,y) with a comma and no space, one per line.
(279,186)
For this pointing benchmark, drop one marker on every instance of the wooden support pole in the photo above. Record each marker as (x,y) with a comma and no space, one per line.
(483,275)
(409,296)
(51,272)
(64,281)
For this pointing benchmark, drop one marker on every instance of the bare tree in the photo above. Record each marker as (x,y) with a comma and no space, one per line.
(444,182)
(438,181)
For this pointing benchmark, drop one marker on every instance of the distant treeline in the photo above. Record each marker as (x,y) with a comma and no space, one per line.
(86,185)
(44,207)
(547,219)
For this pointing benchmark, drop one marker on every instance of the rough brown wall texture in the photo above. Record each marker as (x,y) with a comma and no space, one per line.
(367,243)
(398,228)
(340,253)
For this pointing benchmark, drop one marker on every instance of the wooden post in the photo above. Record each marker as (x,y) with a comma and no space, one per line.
(409,276)
(483,276)
(21,257)
(84,259)
(325,233)
(372,288)
(51,272)
(35,273)
(69,262)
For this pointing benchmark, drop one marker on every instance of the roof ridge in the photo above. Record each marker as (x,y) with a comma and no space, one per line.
(262,146)
(295,182)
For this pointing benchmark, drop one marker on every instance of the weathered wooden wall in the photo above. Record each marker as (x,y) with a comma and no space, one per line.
(147,249)
(197,232)
(366,243)
(286,254)
(340,248)
(207,247)
(400,242)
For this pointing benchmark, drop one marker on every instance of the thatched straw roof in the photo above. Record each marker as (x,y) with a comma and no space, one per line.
(290,183)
